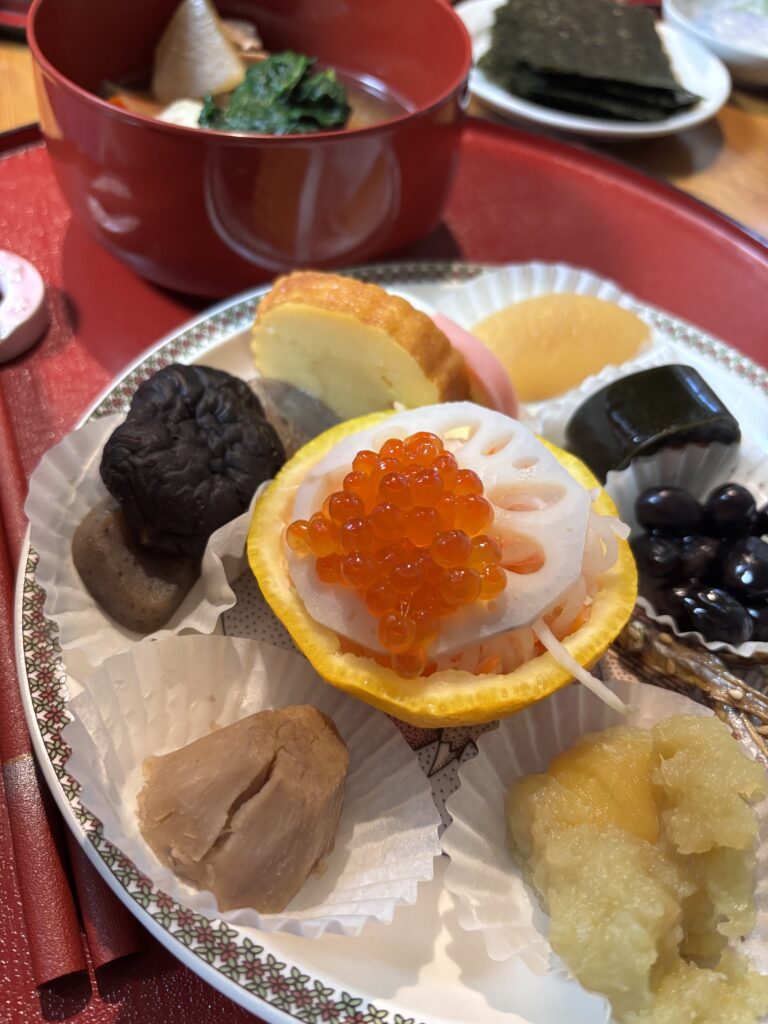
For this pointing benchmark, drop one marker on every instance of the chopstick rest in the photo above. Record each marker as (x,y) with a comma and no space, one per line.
(23,313)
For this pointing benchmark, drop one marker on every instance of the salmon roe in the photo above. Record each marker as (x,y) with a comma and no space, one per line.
(407,533)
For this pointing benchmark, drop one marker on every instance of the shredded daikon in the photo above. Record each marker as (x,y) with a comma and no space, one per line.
(571,605)
(620,530)
(556,547)
(563,657)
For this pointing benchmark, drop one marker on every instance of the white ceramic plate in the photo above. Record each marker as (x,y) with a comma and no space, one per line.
(421,969)
(700,71)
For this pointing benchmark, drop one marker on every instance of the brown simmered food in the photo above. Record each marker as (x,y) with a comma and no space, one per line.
(249,810)
(138,588)
(189,456)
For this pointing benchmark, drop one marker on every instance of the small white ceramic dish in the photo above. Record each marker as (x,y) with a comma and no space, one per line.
(698,70)
(724,27)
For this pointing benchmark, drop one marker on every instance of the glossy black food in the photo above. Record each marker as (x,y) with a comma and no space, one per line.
(730,511)
(745,568)
(644,412)
(667,600)
(670,509)
(698,556)
(656,556)
(759,616)
(705,564)
(717,615)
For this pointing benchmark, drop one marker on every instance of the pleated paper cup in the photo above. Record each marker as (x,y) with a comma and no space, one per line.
(698,469)
(160,696)
(470,303)
(65,486)
(497,288)
(485,881)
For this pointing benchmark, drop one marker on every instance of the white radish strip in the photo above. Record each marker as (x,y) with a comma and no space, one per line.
(513,649)
(562,656)
(574,602)
(518,648)
(610,549)
(608,530)
(620,530)
(508,648)
(602,547)
(593,555)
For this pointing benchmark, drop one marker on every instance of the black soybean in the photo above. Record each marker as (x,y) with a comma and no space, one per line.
(670,601)
(759,616)
(730,511)
(698,556)
(656,556)
(705,565)
(670,509)
(745,568)
(717,615)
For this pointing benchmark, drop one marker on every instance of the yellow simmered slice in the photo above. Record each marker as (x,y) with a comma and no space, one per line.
(354,346)
(551,343)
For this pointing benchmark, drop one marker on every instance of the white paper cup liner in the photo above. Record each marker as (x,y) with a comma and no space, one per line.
(698,469)
(473,301)
(65,486)
(487,885)
(494,290)
(157,697)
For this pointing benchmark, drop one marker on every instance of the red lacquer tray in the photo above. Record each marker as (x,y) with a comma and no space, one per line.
(13,14)
(517,197)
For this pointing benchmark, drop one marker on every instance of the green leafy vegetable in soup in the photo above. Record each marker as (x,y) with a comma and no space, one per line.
(281,96)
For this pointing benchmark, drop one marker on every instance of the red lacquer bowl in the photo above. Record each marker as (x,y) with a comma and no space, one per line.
(211,213)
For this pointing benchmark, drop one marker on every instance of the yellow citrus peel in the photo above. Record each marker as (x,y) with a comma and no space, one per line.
(448,697)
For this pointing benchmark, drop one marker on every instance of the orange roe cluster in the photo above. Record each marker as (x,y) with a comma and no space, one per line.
(407,532)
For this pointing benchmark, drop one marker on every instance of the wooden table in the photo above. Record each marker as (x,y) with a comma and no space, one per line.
(723,162)
(17,90)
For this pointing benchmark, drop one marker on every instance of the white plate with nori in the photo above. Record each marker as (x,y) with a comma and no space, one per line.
(697,70)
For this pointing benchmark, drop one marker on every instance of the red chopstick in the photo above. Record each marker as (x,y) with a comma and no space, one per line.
(52,925)
(110,930)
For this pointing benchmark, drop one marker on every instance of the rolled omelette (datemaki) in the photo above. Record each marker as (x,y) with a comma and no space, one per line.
(665,406)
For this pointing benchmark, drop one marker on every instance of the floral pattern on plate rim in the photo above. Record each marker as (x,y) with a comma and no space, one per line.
(237,958)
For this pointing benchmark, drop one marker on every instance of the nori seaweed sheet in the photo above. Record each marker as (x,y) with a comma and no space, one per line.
(591,56)
(600,98)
